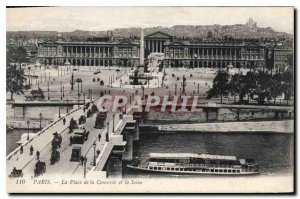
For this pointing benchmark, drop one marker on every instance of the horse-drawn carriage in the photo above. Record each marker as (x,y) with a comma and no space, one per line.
(16,173)
(56,141)
(82,120)
(73,125)
(40,168)
(89,113)
(55,157)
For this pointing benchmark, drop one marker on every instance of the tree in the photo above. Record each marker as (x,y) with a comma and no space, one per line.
(17,55)
(287,85)
(276,86)
(220,86)
(234,85)
(262,88)
(248,85)
(14,80)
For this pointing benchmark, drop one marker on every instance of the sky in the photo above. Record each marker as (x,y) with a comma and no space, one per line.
(64,19)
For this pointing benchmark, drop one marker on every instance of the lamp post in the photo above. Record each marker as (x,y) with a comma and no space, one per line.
(48,91)
(94,161)
(78,88)
(27,129)
(113,128)
(107,136)
(61,91)
(67,105)
(78,96)
(81,85)
(84,99)
(58,111)
(41,121)
(84,164)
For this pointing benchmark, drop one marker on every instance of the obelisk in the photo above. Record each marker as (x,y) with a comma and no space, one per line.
(142,48)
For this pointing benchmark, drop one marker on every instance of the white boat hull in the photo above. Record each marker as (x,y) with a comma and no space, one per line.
(191,172)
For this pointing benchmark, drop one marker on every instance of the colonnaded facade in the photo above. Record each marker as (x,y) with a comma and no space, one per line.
(89,53)
(177,53)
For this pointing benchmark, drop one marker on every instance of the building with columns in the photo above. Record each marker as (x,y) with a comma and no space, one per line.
(110,53)
(211,54)
(183,53)
(155,41)
(177,53)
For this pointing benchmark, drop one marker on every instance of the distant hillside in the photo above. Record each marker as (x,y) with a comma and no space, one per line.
(236,31)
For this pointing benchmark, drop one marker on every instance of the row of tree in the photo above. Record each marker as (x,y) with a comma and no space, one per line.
(260,86)
(15,80)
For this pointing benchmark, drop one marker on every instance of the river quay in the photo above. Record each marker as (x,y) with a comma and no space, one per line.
(285,126)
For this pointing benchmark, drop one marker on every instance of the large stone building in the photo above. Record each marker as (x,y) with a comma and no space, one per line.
(89,53)
(214,54)
(177,52)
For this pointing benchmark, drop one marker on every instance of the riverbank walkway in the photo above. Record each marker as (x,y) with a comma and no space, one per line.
(285,126)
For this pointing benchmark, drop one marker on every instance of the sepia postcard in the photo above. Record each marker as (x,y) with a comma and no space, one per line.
(150,100)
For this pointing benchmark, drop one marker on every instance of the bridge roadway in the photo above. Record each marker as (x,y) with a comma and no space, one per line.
(41,142)
(64,168)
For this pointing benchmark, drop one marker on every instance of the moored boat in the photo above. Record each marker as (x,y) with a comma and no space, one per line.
(190,163)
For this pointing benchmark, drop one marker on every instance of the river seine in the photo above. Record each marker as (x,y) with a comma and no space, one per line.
(273,152)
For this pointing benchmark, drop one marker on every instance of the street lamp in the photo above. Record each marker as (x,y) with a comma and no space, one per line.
(84,99)
(48,91)
(84,164)
(41,121)
(107,136)
(67,105)
(27,129)
(59,111)
(113,128)
(78,96)
(94,162)
(61,91)
(143,88)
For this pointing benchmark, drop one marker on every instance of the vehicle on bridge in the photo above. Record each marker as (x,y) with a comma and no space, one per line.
(16,173)
(76,153)
(89,113)
(40,168)
(100,119)
(82,120)
(56,141)
(79,136)
(73,125)
(55,157)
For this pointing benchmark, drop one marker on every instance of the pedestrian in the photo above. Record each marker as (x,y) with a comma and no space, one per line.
(60,140)
(81,160)
(64,121)
(99,137)
(37,155)
(21,149)
(98,152)
(84,109)
(71,140)
(31,150)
